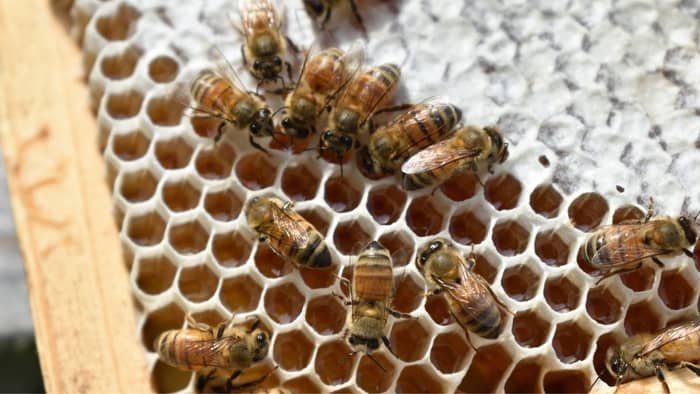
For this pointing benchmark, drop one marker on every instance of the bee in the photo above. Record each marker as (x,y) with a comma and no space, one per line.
(208,351)
(321,10)
(364,94)
(287,232)
(322,76)
(469,297)
(623,247)
(644,355)
(391,145)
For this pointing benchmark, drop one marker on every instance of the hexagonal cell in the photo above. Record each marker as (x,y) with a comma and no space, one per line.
(423,217)
(292,350)
(407,294)
(130,146)
(224,205)
(584,265)
(370,377)
(587,211)
(319,278)
(299,182)
(641,318)
(561,294)
(449,352)
(270,263)
(439,311)
(163,69)
(510,238)
(124,105)
(571,342)
(551,248)
(326,315)
(627,213)
(525,377)
(188,238)
(256,171)
(155,274)
(215,162)
(146,230)
(180,196)
(545,200)
(163,111)
(138,186)
(350,237)
(486,370)
(503,191)
(211,318)
(520,282)
(240,294)
(400,247)
(529,329)
(460,186)
(418,379)
(173,154)
(601,349)
(119,25)
(230,249)
(409,339)
(675,291)
(603,306)
(301,384)
(318,217)
(169,317)
(283,303)
(167,379)
(385,203)
(341,194)
(485,268)
(639,280)
(121,65)
(565,381)
(330,365)
(467,228)
(205,126)
(198,283)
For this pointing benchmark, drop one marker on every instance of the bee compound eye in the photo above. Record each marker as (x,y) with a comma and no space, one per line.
(276,61)
(261,339)
(257,64)
(255,127)
(287,123)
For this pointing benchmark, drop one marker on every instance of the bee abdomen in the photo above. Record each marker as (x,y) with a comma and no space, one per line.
(486,324)
(316,255)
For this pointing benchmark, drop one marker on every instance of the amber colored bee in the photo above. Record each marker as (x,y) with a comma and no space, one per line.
(469,147)
(321,10)
(322,76)
(469,297)
(287,232)
(645,355)
(422,125)
(366,92)
(208,351)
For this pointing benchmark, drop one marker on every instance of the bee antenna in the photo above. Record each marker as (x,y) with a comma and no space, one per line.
(278,110)
(593,384)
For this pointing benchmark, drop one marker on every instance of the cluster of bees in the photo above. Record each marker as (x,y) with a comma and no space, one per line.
(423,144)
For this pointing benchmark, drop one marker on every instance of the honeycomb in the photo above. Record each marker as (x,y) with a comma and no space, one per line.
(598,100)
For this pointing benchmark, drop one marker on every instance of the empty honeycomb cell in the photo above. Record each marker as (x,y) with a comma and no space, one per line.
(315,278)
(641,318)
(270,263)
(571,342)
(146,230)
(530,329)
(230,249)
(130,146)
(205,126)
(167,379)
(418,379)
(173,153)
(561,294)
(603,343)
(292,350)
(639,280)
(437,308)
(409,339)
(486,370)
(467,228)
(503,191)
(565,381)
(675,291)
(627,213)
(400,246)
(223,206)
(180,196)
(510,238)
(211,318)
(169,317)
(520,282)
(326,315)
(121,65)
(299,182)
(256,171)
(124,105)
(119,25)
(603,306)
(350,237)
(302,384)
(188,238)
(341,194)
(551,249)
(484,268)
(545,200)
(138,186)
(407,294)
(332,367)
(155,274)
(240,294)
(386,203)
(215,162)
(318,217)
(423,217)
(163,69)
(284,303)
(449,352)
(164,111)
(525,377)
(587,211)
(198,283)
(370,377)
(461,186)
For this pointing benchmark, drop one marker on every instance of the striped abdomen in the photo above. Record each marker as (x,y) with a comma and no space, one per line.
(433,177)
(325,72)
(304,245)
(211,91)
(479,313)
(373,278)
(187,349)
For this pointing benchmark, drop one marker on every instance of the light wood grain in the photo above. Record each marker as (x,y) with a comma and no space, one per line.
(79,290)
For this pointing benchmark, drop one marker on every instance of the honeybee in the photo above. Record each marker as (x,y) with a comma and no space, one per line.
(321,10)
(469,147)
(469,297)
(208,351)
(422,125)
(287,232)
(323,74)
(358,102)
(644,355)
(623,247)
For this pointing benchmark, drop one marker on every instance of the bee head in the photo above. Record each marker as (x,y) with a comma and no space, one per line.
(262,123)
(338,142)
(428,251)
(314,7)
(499,153)
(267,68)
(368,166)
(688,229)
(615,363)
(294,129)
(262,343)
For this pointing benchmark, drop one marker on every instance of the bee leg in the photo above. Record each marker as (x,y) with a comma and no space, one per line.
(618,272)
(662,379)
(651,210)
(255,325)
(388,345)
(291,44)
(203,379)
(289,70)
(196,325)
(398,315)
(257,146)
(253,383)
(688,253)
(692,367)
(219,132)
(358,17)
(658,262)
(342,299)
(245,61)
(229,381)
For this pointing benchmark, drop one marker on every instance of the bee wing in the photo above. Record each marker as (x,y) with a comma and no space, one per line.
(436,156)
(181,95)
(623,247)
(225,69)
(352,61)
(208,352)
(670,335)
(469,293)
(283,228)
(422,116)
(259,15)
